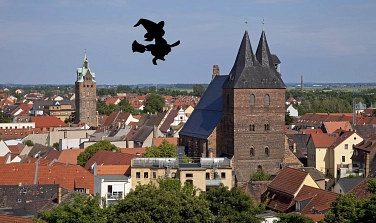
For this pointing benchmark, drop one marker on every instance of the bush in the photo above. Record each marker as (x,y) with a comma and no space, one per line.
(260,175)
(29,142)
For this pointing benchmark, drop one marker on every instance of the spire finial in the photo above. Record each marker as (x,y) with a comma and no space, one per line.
(263,24)
(246,23)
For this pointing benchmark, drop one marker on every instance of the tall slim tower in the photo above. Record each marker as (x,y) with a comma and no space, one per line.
(254,111)
(85,93)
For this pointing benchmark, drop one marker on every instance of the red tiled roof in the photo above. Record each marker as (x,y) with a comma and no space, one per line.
(47,121)
(323,140)
(320,200)
(113,169)
(280,201)
(111,118)
(133,151)
(332,126)
(158,141)
(68,176)
(284,181)
(69,155)
(111,101)
(14,219)
(103,157)
(360,190)
(315,217)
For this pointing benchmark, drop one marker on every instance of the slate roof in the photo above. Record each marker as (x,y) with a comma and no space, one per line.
(348,184)
(41,150)
(360,190)
(301,141)
(315,174)
(365,130)
(254,71)
(208,112)
(142,133)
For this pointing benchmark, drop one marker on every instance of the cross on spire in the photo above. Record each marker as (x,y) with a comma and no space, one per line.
(263,24)
(246,23)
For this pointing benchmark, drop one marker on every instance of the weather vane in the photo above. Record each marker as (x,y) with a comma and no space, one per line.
(263,24)
(246,23)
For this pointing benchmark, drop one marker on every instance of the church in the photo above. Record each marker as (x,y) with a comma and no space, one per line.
(242,115)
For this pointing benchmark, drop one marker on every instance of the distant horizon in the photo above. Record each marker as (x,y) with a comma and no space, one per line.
(45,41)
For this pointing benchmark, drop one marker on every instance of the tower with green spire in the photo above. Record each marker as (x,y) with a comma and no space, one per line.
(85,95)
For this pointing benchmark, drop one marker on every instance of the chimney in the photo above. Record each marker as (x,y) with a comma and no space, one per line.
(59,195)
(180,158)
(155,131)
(215,71)
(65,134)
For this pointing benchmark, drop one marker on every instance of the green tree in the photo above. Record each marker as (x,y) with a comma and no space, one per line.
(91,150)
(198,90)
(232,205)
(168,202)
(288,119)
(292,218)
(343,209)
(260,175)
(165,149)
(56,145)
(371,185)
(82,209)
(29,142)
(154,103)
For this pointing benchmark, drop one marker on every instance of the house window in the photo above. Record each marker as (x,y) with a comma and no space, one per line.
(154,175)
(252,100)
(343,159)
(266,151)
(138,175)
(173,175)
(207,176)
(189,175)
(223,175)
(109,189)
(146,174)
(189,181)
(266,100)
(252,152)
(346,146)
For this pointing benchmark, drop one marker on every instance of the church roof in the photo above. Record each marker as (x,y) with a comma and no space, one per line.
(82,71)
(254,71)
(208,111)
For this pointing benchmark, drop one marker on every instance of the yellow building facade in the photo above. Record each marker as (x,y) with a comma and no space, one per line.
(209,173)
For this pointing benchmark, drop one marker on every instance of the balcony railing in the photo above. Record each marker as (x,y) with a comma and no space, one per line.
(115,196)
(213,182)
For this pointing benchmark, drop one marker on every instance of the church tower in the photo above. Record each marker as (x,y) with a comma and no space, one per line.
(254,111)
(85,93)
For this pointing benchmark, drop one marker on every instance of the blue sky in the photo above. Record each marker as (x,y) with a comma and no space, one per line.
(43,42)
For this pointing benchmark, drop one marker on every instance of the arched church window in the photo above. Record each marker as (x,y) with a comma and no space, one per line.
(266,100)
(252,100)
(252,126)
(267,151)
(252,152)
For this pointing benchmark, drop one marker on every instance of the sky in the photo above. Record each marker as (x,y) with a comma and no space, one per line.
(43,42)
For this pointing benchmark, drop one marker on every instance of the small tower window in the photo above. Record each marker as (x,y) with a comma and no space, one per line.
(266,100)
(252,126)
(252,152)
(266,126)
(252,100)
(267,151)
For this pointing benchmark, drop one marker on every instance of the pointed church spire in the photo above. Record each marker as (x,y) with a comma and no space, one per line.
(263,53)
(86,62)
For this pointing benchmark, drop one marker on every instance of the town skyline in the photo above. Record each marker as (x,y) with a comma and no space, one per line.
(44,43)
